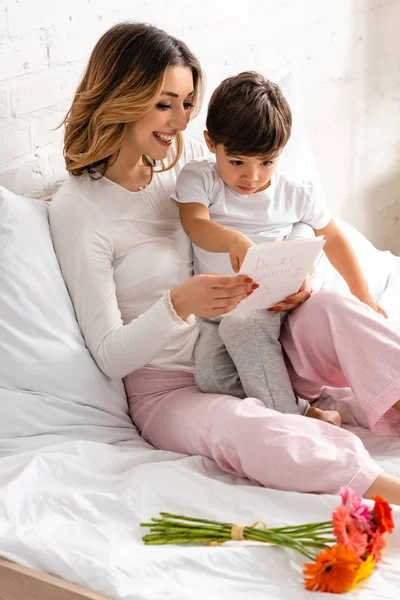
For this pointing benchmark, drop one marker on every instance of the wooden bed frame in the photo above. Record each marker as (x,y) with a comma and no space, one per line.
(21,583)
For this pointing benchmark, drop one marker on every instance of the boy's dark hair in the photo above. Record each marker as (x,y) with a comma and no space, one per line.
(249,115)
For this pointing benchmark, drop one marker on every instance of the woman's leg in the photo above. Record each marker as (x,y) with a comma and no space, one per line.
(387,486)
(244,437)
(338,341)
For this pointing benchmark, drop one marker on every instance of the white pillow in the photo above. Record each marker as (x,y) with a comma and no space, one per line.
(50,388)
(297,162)
(375,264)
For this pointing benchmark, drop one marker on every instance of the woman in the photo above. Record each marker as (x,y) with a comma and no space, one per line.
(128,266)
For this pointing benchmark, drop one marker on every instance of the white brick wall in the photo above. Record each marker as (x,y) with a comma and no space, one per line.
(346,53)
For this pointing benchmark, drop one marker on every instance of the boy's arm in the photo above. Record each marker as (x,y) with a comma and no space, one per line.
(203,232)
(206,234)
(342,257)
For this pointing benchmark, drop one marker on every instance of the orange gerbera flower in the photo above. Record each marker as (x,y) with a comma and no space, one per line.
(347,532)
(376,543)
(383,515)
(334,570)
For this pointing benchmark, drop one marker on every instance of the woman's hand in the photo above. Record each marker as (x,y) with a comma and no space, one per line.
(296,299)
(238,247)
(210,295)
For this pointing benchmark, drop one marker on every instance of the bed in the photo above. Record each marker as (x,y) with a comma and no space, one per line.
(76,478)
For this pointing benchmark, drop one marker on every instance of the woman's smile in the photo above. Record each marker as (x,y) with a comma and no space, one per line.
(165,139)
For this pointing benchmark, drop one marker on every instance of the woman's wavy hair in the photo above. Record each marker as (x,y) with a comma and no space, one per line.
(121,83)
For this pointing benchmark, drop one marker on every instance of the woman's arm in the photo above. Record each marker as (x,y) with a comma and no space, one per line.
(341,255)
(85,255)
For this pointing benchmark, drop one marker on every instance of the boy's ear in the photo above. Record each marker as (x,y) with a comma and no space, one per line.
(209,142)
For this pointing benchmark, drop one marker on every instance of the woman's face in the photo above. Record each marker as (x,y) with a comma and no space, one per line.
(154,133)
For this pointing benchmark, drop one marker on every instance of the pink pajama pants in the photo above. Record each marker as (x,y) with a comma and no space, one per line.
(329,340)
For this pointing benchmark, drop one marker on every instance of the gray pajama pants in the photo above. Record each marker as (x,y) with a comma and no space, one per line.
(241,355)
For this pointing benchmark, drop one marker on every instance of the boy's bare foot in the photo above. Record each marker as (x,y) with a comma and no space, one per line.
(329,416)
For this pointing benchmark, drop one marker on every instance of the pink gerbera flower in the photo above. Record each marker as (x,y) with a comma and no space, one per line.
(359,512)
(347,532)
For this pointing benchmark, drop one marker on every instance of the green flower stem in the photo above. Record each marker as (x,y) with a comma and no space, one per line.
(306,526)
(295,529)
(220,523)
(183,538)
(176,529)
(192,519)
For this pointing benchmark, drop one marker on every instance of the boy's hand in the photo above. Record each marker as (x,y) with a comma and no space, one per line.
(238,249)
(368,299)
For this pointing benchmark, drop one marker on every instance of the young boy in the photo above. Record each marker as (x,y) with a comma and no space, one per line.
(233,201)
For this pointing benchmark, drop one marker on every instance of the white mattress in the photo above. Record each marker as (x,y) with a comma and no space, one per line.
(73,509)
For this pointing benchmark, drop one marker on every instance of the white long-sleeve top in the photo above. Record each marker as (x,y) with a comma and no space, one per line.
(121,253)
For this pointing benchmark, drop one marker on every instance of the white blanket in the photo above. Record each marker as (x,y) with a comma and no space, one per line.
(74,510)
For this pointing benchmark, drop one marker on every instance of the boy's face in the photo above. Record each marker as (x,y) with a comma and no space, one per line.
(244,174)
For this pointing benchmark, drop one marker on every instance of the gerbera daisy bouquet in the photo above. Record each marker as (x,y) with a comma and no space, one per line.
(359,541)
(344,550)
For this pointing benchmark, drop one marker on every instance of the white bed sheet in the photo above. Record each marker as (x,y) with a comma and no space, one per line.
(73,510)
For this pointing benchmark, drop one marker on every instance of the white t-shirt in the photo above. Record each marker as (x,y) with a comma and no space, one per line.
(121,253)
(267,216)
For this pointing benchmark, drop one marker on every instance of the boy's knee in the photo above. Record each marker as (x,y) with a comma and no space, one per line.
(272,317)
(232,324)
